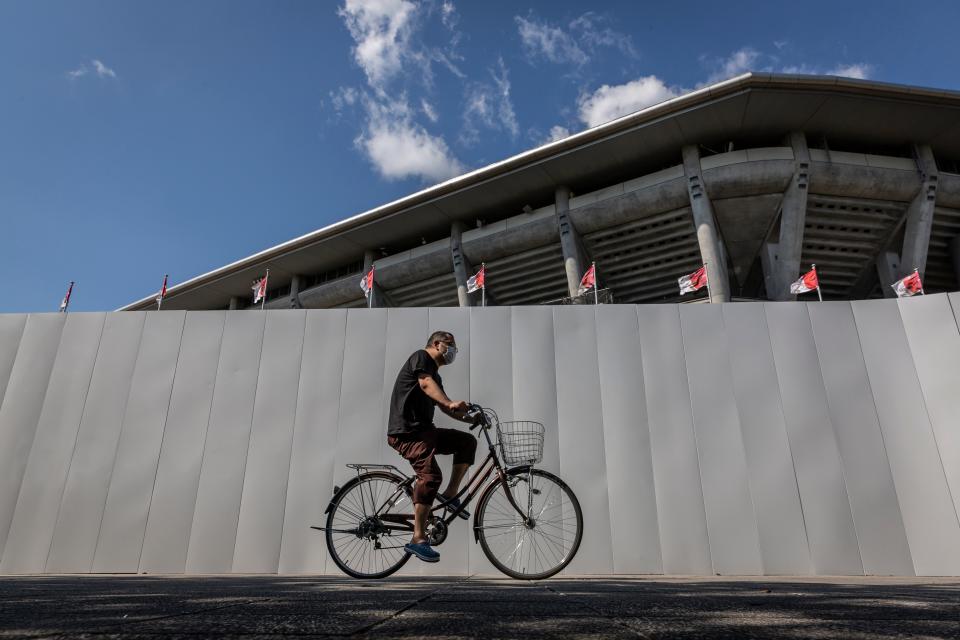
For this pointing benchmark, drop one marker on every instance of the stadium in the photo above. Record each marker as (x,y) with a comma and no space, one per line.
(760,176)
(760,435)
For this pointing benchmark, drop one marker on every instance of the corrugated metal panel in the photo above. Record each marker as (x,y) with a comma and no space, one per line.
(699,439)
(918,473)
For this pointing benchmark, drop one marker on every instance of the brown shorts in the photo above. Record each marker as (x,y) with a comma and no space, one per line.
(419,450)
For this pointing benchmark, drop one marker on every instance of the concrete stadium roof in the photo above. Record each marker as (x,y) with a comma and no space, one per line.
(753,105)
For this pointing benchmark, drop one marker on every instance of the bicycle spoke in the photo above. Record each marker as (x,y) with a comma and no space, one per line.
(355,528)
(502,526)
(538,544)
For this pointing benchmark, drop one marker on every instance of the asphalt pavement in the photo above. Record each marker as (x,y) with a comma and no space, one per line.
(159,607)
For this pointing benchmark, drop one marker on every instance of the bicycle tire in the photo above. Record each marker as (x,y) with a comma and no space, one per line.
(347,494)
(492,516)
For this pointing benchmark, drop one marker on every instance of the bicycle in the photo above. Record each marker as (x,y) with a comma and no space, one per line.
(528,522)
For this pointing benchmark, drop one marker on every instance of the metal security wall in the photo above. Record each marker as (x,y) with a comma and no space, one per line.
(747,438)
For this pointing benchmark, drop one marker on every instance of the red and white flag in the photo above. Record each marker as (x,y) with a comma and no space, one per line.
(477,281)
(259,289)
(163,292)
(693,282)
(366,283)
(807,282)
(66,299)
(588,281)
(909,286)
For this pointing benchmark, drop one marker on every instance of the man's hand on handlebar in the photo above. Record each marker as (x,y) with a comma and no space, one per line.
(458,407)
(475,416)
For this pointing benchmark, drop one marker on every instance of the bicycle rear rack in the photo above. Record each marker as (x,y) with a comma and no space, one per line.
(360,466)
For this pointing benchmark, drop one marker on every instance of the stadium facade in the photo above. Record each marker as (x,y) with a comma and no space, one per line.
(759,176)
(761,435)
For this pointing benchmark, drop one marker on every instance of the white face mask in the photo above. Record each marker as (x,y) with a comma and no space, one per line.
(450,355)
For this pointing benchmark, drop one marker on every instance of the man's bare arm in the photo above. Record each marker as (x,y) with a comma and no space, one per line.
(460,414)
(455,409)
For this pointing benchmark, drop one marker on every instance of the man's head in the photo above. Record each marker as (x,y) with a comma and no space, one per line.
(442,347)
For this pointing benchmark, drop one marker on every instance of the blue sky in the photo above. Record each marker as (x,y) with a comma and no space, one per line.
(143,138)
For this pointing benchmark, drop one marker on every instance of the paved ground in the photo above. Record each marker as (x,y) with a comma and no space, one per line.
(637,607)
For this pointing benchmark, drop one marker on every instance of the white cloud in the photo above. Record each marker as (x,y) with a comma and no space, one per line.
(448,15)
(393,141)
(576,43)
(780,44)
(489,105)
(613,101)
(428,110)
(595,33)
(610,102)
(478,108)
(553,43)
(860,70)
(556,133)
(381,30)
(103,70)
(801,69)
(508,117)
(344,97)
(737,63)
(400,148)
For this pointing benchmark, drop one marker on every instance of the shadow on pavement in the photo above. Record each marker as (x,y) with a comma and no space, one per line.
(458,607)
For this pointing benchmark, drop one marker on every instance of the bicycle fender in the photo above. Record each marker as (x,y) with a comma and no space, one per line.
(336,490)
(490,487)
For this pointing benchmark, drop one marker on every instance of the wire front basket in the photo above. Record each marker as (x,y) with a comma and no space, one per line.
(521,441)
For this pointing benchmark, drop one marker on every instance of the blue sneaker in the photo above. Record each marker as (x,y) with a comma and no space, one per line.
(453,504)
(422,550)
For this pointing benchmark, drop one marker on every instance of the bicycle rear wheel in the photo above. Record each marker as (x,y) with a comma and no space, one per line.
(360,542)
(545,539)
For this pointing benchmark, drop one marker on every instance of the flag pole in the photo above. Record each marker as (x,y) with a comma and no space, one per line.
(483,289)
(263,301)
(916,271)
(707,276)
(813,268)
(370,288)
(596,295)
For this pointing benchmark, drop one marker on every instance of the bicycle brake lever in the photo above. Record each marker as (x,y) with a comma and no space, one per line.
(477,417)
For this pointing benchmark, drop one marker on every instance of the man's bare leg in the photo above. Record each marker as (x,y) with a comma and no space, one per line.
(456,476)
(420,513)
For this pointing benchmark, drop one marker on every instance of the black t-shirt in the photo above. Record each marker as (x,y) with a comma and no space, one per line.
(410,408)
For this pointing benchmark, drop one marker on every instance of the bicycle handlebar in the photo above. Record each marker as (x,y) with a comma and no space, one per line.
(479,417)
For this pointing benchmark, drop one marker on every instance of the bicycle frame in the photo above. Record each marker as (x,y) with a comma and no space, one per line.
(490,465)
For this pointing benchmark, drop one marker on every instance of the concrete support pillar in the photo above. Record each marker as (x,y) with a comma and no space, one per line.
(295,286)
(460,267)
(234,303)
(711,249)
(781,260)
(919,220)
(955,254)
(380,298)
(888,270)
(574,257)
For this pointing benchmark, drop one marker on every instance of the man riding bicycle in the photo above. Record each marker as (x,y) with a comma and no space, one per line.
(411,432)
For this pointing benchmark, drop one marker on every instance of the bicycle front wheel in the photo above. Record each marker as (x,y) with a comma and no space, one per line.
(540,542)
(360,540)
